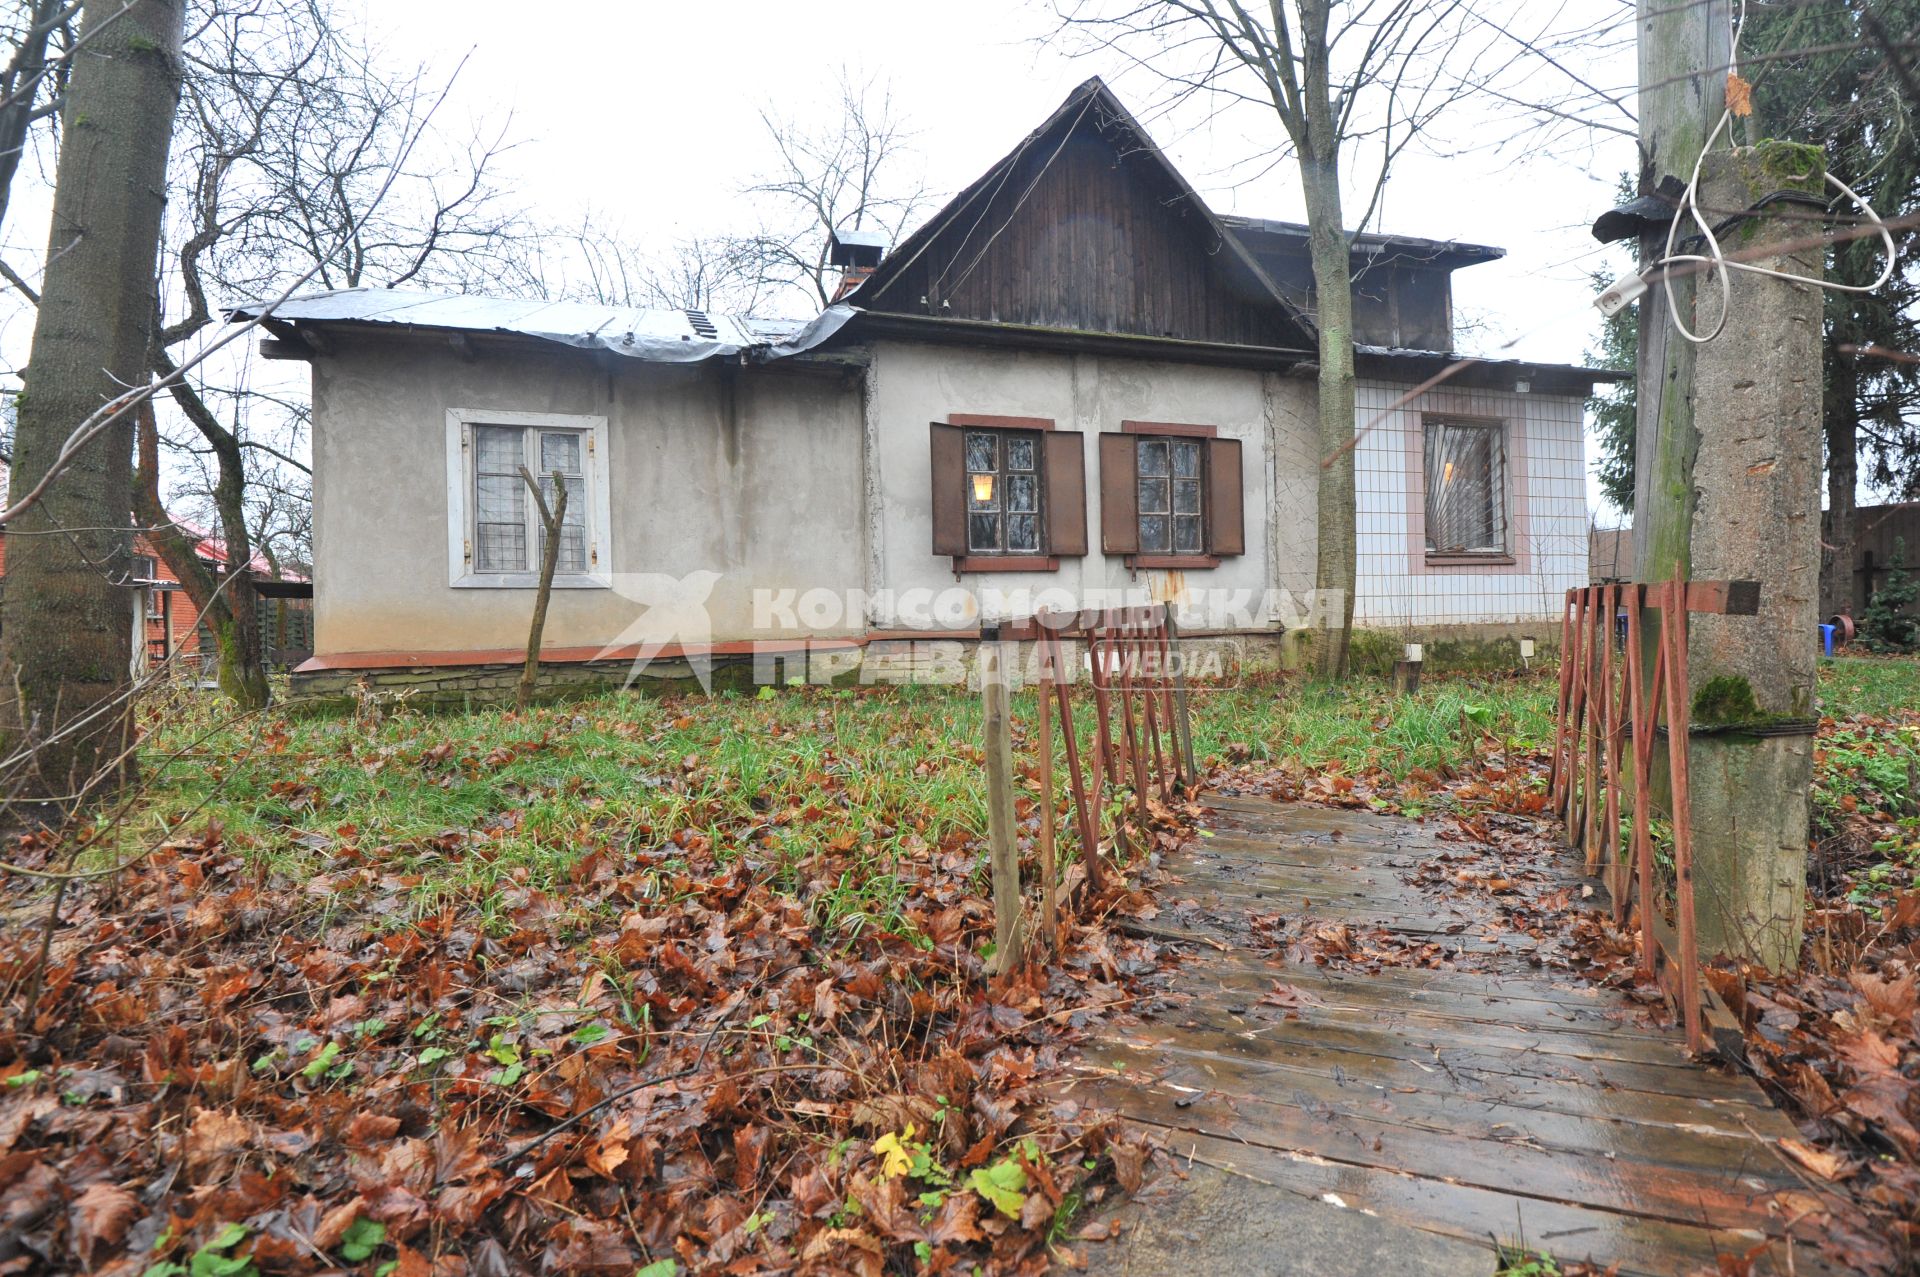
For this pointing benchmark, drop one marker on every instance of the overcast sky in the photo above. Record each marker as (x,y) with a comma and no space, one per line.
(650,110)
(648,113)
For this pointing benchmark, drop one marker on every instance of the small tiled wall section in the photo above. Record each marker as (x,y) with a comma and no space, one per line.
(1547,510)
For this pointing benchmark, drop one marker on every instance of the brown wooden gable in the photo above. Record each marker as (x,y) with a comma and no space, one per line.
(1086,227)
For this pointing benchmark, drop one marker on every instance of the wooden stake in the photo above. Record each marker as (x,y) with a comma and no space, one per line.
(1049,876)
(998,723)
(1677,758)
(1005,851)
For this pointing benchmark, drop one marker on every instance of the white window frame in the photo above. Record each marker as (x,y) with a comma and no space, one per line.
(460,482)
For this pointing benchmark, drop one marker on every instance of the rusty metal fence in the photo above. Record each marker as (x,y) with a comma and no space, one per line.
(1140,745)
(1609,696)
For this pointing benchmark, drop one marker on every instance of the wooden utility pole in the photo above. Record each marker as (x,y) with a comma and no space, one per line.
(1729,486)
(1684,52)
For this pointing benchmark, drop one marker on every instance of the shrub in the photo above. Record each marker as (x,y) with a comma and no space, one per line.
(1888,625)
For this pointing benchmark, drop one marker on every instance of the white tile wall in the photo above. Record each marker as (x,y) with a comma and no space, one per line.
(1547,510)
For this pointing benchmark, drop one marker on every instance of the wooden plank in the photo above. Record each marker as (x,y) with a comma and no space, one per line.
(1569,1231)
(1455,1084)
(1731,1198)
(1723,1148)
(1532,985)
(1432,1033)
(1361,1049)
(1358,996)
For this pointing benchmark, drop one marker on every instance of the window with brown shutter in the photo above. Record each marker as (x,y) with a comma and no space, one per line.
(1009,493)
(1170,495)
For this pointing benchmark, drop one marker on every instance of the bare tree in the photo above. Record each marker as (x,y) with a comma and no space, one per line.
(41,40)
(301,155)
(68,618)
(851,172)
(599,263)
(1352,84)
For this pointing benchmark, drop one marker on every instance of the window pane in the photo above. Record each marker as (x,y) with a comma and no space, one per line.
(1023,493)
(1186,534)
(1186,458)
(983,532)
(1153,456)
(1020,452)
(980,451)
(1023,532)
(500,547)
(983,491)
(1153,496)
(498,449)
(573,551)
(1153,534)
(1466,498)
(559,451)
(1186,496)
(576,515)
(499,498)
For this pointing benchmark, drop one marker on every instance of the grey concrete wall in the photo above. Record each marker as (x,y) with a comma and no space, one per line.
(911,385)
(772,497)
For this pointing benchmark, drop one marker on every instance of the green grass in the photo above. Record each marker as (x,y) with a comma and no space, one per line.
(1873,685)
(440,808)
(1357,725)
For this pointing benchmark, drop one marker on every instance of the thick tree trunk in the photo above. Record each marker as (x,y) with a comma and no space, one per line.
(66,637)
(1842,413)
(1334,563)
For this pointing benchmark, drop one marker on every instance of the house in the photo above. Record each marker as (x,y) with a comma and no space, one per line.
(1075,384)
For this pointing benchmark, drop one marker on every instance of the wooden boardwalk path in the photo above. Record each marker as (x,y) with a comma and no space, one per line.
(1496,1100)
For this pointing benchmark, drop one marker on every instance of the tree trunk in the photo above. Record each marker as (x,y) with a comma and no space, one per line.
(551,522)
(176,549)
(1841,410)
(66,637)
(240,658)
(1334,562)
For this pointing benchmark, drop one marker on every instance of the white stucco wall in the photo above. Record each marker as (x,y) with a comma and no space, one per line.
(818,481)
(774,499)
(912,385)
(1547,511)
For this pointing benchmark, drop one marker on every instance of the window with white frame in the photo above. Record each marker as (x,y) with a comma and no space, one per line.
(498,539)
(1466,465)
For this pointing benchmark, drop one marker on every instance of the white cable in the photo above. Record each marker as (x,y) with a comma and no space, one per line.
(1716,262)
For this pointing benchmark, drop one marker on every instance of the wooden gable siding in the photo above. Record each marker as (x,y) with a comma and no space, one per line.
(1101,243)
(1393,305)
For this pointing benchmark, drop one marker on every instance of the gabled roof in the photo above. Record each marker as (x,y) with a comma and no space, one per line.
(1092,101)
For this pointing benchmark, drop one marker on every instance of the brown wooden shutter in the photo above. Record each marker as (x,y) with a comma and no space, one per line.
(949,501)
(1226,521)
(1119,495)
(1066,501)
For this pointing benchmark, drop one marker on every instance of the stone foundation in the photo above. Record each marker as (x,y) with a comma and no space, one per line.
(1222,659)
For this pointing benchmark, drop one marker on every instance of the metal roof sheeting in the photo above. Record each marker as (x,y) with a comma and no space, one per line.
(658,335)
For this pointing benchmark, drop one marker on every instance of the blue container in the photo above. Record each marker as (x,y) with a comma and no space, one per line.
(1826,639)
